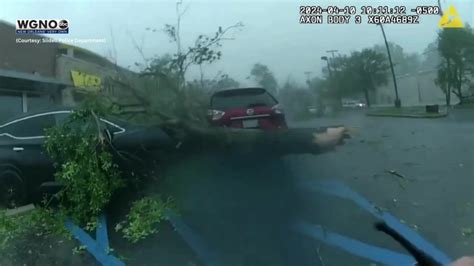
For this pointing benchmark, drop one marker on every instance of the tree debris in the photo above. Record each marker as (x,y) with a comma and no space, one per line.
(467,231)
(319,256)
(394,172)
(399,179)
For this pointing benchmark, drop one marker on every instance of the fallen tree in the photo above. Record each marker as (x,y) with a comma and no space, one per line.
(281,142)
(191,130)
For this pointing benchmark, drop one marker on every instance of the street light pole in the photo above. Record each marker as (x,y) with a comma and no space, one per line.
(398,103)
(325,58)
(332,81)
(307,73)
(332,55)
(332,52)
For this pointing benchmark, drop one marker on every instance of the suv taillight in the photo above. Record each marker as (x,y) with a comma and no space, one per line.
(277,109)
(215,114)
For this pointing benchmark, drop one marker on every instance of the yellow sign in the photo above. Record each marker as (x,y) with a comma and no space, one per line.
(86,81)
(450,19)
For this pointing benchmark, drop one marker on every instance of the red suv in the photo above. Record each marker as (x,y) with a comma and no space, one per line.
(246,108)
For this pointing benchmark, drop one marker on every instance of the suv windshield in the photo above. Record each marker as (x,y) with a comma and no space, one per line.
(242,99)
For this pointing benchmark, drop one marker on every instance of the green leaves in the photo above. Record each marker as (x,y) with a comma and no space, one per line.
(456,46)
(145,214)
(361,71)
(85,164)
(264,77)
(40,222)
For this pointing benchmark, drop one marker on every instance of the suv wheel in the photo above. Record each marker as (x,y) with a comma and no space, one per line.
(12,189)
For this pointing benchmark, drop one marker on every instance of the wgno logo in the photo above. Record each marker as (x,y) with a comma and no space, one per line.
(42,26)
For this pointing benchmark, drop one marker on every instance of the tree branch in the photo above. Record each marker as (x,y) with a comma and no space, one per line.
(139,48)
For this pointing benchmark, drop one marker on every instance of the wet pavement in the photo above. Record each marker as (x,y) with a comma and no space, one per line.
(435,196)
(243,208)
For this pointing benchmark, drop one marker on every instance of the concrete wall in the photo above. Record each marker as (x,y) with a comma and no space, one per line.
(26,57)
(65,64)
(26,95)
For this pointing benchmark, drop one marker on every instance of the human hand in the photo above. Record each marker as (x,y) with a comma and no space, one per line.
(331,137)
(464,261)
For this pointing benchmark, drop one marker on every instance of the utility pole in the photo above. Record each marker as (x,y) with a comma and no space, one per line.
(398,103)
(332,52)
(418,87)
(307,73)
(332,56)
(330,59)
(331,80)
(325,58)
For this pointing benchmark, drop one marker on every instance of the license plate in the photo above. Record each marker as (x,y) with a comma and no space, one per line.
(252,123)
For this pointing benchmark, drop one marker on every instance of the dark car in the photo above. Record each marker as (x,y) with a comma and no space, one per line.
(246,108)
(25,167)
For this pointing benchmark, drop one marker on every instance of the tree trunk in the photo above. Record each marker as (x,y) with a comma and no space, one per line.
(193,136)
(459,95)
(448,96)
(448,83)
(459,84)
(202,76)
(366,95)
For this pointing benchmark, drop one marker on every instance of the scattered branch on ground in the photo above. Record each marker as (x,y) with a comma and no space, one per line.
(144,217)
(18,230)
(395,173)
(321,261)
(467,231)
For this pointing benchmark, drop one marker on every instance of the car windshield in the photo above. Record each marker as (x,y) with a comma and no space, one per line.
(236,133)
(242,99)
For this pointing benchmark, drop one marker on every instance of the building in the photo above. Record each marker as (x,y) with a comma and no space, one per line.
(414,89)
(26,84)
(35,76)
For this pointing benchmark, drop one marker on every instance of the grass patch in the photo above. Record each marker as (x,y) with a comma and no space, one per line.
(468,105)
(410,112)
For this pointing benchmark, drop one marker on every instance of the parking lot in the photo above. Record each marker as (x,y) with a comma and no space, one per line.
(320,209)
(417,172)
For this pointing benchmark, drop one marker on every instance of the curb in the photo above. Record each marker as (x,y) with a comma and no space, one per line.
(408,115)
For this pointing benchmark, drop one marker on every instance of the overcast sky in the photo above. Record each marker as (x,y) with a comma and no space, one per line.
(272,34)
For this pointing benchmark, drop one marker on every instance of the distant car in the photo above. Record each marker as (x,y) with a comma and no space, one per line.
(246,108)
(312,109)
(353,104)
(25,167)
